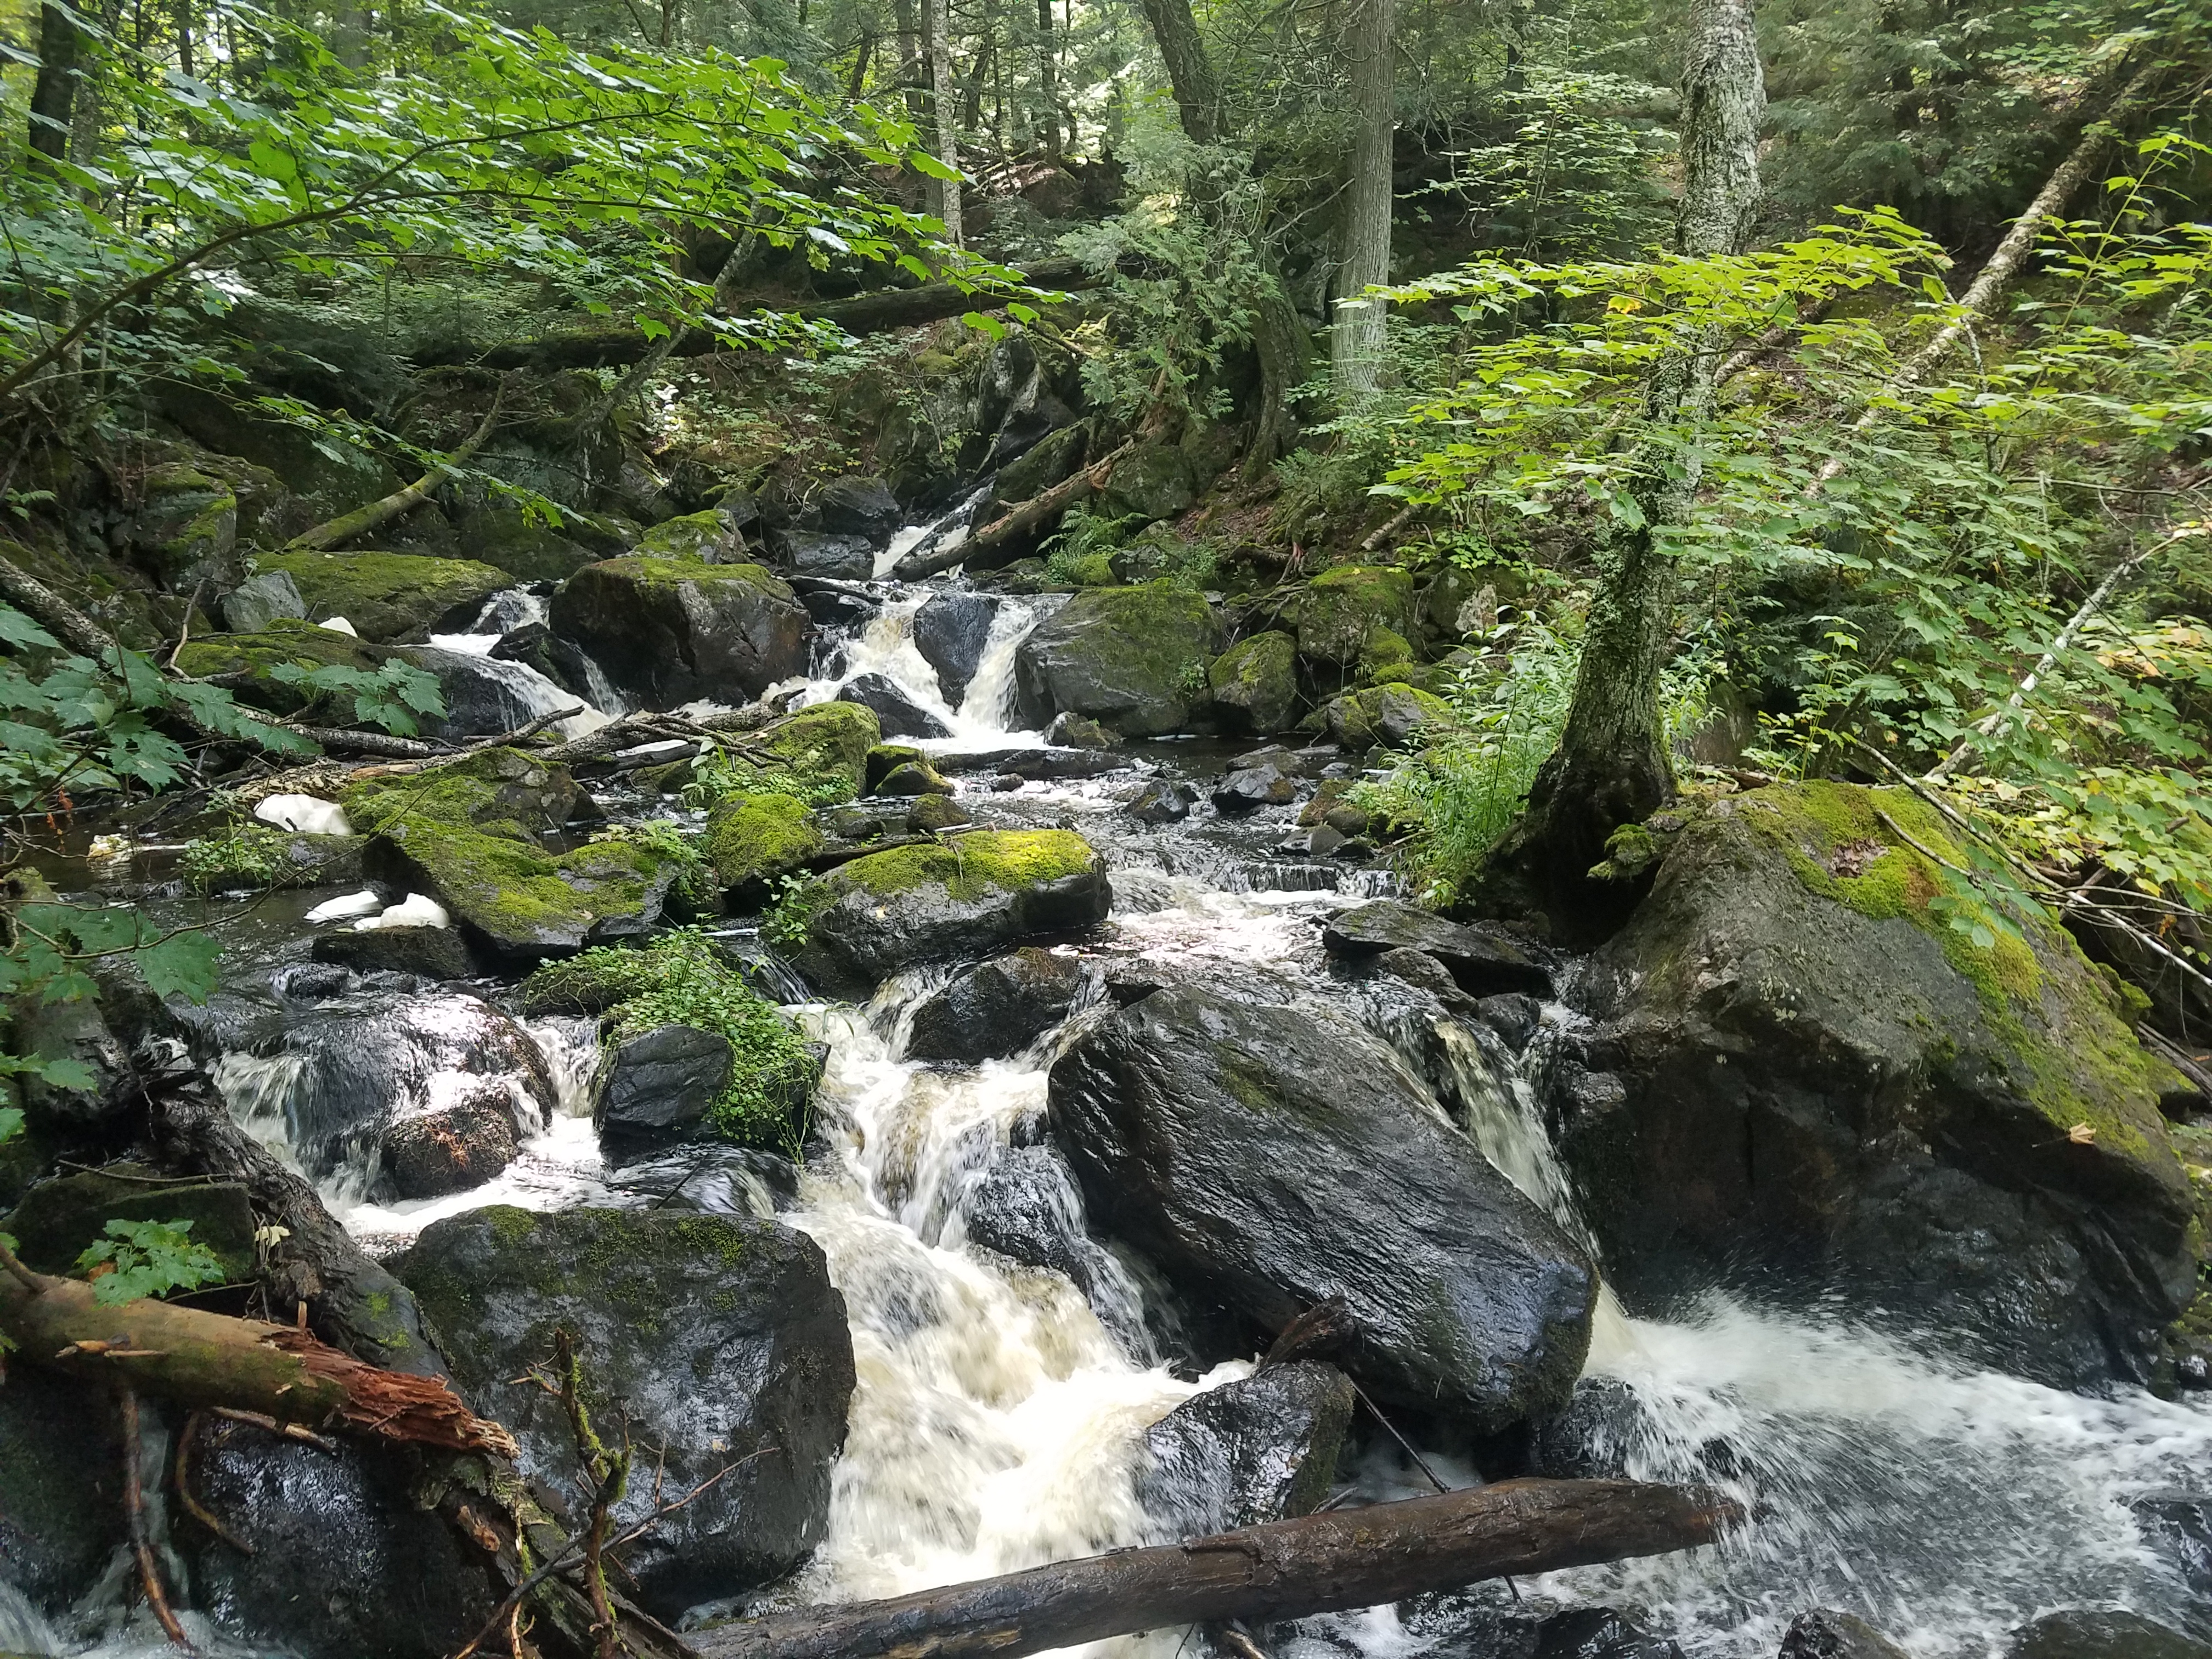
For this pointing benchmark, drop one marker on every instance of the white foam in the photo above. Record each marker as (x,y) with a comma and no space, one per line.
(366,902)
(415,910)
(304,815)
(339,625)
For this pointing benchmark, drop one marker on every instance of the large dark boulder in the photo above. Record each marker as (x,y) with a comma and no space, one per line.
(1255,685)
(1022,1203)
(340,1560)
(668,630)
(937,901)
(1481,962)
(61,1515)
(717,1336)
(389,596)
(995,1008)
(1211,1133)
(897,714)
(661,1083)
(2081,1633)
(1247,1453)
(1820,1076)
(824,556)
(1133,659)
(861,507)
(951,630)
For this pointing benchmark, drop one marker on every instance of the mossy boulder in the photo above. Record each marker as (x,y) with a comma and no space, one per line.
(1390,716)
(1843,1070)
(390,595)
(708,537)
(1133,659)
(185,529)
(819,753)
(59,1219)
(716,1337)
(1343,607)
(467,834)
(1154,482)
(751,838)
(527,549)
(667,630)
(320,481)
(968,896)
(285,640)
(1254,684)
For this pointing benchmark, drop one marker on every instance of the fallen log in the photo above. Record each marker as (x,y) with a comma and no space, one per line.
(1017,520)
(1324,1562)
(202,1358)
(352,527)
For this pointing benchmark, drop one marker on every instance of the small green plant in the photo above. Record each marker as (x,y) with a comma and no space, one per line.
(1081,554)
(241,855)
(665,839)
(1191,681)
(718,775)
(798,898)
(146,1258)
(389,696)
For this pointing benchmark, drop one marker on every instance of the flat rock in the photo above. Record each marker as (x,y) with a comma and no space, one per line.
(1483,963)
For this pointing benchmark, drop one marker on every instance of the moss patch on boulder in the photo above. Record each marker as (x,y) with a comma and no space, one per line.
(668,629)
(818,754)
(284,640)
(1344,607)
(1255,684)
(389,596)
(752,838)
(1133,659)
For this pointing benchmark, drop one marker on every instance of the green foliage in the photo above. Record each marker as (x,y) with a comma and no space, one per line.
(798,899)
(241,855)
(695,880)
(146,1258)
(1079,554)
(718,775)
(50,945)
(390,696)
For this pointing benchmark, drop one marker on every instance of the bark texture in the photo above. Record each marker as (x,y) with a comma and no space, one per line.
(53,95)
(1355,334)
(1190,72)
(944,193)
(1611,767)
(1316,1564)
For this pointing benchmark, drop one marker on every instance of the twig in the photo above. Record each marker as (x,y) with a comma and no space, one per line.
(194,1507)
(185,627)
(16,1271)
(134,1512)
(1391,1429)
(304,1436)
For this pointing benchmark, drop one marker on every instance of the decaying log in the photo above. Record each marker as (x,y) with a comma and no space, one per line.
(1017,520)
(1323,1563)
(200,1359)
(352,527)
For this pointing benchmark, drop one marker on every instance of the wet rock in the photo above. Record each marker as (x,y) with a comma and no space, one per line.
(1381,717)
(1483,963)
(660,1085)
(1023,1203)
(1163,802)
(914,777)
(858,505)
(1829,1633)
(260,599)
(974,894)
(713,1177)
(951,631)
(2178,1525)
(2076,1633)
(996,1008)
(1134,659)
(430,952)
(344,1562)
(819,553)
(468,1135)
(1071,730)
(752,839)
(718,1336)
(389,596)
(714,536)
(1320,841)
(1255,786)
(1250,1452)
(1006,782)
(1965,1135)
(487,696)
(668,630)
(1414,968)
(61,1517)
(57,1218)
(1598,1634)
(930,814)
(835,604)
(899,715)
(1208,1131)
(1153,482)
(1513,1015)
(1255,685)
(1344,607)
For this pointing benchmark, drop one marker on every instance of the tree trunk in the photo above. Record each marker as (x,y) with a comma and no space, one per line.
(1048,82)
(937,38)
(53,95)
(1316,1564)
(909,72)
(1611,767)
(1284,350)
(1190,72)
(1355,349)
(1030,516)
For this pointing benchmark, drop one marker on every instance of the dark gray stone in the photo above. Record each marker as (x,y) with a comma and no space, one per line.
(1250,1452)
(1598,1634)
(821,554)
(1482,962)
(1162,802)
(951,630)
(1024,1204)
(726,631)
(456,1144)
(61,1516)
(1829,1633)
(1072,731)
(2077,1633)
(2178,1525)
(261,599)
(428,953)
(996,1008)
(1256,786)
(344,1563)
(900,716)
(718,1336)
(661,1083)
(1209,1132)
(860,507)
(1133,659)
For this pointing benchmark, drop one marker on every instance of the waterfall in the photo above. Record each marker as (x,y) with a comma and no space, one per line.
(884,644)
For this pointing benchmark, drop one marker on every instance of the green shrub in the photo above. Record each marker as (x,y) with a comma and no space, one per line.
(241,855)
(146,1258)
(694,881)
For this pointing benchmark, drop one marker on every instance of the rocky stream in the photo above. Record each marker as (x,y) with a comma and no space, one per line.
(1088,1130)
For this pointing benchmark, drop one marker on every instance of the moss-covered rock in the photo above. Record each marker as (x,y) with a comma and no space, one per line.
(886,759)
(708,537)
(527,549)
(1927,1101)
(185,529)
(1389,716)
(1342,607)
(1154,482)
(967,896)
(284,640)
(719,1336)
(320,481)
(389,596)
(59,1219)
(818,754)
(465,833)
(751,838)
(667,630)
(1255,685)
(1133,659)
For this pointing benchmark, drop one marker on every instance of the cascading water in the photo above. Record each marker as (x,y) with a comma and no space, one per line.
(985,714)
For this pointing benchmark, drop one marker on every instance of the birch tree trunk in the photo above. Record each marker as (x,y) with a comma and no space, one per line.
(944,193)
(1356,336)
(1611,767)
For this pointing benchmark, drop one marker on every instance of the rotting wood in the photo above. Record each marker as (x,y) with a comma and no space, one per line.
(1321,1563)
(352,527)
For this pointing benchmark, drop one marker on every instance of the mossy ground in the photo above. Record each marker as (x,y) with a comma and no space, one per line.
(653,571)
(969,866)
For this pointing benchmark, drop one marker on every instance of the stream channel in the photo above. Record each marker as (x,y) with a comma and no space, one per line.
(999,1408)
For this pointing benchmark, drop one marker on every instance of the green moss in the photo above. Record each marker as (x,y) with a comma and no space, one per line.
(968,866)
(284,640)
(885,759)
(510,1225)
(386,595)
(650,570)
(818,754)
(752,837)
(500,791)
(1345,607)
